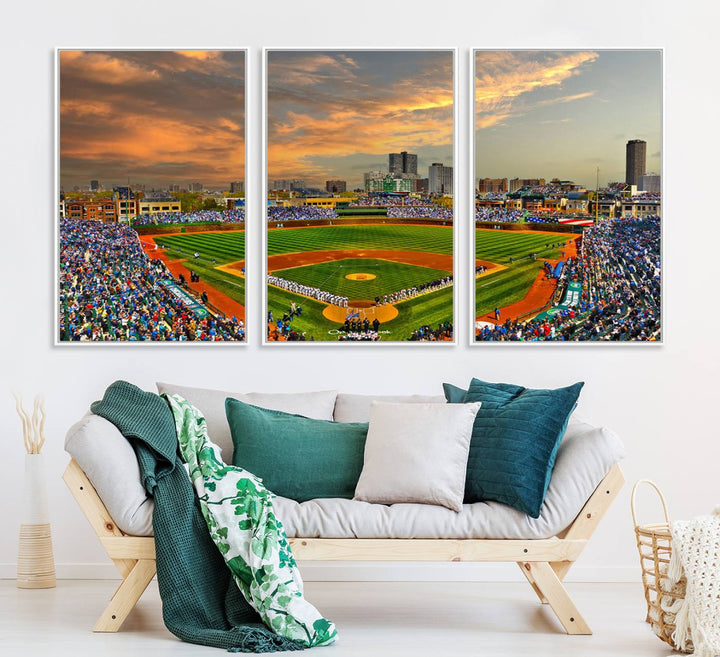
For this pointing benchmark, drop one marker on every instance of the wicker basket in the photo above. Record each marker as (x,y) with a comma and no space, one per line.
(654,544)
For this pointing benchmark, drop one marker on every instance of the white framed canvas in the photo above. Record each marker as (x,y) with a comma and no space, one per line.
(359,196)
(151,196)
(567,196)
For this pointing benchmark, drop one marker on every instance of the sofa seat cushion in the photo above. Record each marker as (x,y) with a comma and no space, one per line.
(584,457)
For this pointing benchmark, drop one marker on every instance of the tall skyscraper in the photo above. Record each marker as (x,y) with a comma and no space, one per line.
(635,154)
(402,162)
(94,185)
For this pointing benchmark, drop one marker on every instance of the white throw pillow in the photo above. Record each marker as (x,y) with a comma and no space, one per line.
(417,453)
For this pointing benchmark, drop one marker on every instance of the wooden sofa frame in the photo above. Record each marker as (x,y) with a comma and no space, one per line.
(543,562)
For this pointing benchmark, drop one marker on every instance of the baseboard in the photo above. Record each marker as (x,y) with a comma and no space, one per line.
(379,572)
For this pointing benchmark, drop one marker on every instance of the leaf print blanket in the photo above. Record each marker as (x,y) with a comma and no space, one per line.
(201,601)
(238,511)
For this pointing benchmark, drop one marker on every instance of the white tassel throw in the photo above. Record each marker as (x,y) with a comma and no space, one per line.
(696,555)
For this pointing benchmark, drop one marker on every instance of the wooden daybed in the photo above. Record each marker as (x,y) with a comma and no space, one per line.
(545,562)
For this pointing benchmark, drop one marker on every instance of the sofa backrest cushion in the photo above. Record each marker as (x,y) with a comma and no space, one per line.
(356,408)
(211,403)
(109,461)
(295,456)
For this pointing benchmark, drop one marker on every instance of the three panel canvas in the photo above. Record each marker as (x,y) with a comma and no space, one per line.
(359,227)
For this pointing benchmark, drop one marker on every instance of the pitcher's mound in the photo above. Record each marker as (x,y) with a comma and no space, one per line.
(366,308)
(360,277)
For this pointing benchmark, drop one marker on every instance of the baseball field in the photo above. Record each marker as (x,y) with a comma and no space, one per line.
(362,262)
(358,261)
(515,282)
(225,289)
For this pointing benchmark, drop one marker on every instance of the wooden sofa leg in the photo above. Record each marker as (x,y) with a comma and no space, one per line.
(558,598)
(127,595)
(525,568)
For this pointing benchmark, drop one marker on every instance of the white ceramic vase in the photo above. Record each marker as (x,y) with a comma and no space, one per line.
(36,566)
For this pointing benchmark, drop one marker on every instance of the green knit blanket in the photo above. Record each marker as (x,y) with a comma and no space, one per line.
(201,602)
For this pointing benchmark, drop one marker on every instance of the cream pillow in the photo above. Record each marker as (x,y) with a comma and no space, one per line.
(417,454)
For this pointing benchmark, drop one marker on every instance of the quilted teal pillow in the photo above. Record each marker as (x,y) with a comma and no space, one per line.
(295,456)
(515,439)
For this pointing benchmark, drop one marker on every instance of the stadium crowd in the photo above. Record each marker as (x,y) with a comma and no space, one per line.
(443,333)
(387,200)
(419,212)
(619,268)
(498,215)
(299,213)
(197,217)
(109,290)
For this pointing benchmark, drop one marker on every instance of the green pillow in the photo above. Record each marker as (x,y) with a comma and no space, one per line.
(515,439)
(295,456)
(453,394)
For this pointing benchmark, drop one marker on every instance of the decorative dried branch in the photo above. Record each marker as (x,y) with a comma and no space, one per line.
(25,420)
(41,428)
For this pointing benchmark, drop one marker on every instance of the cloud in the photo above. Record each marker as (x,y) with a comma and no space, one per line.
(105,68)
(326,107)
(175,113)
(507,82)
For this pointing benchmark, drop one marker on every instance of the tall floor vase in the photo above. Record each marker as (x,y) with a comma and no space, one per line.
(36,565)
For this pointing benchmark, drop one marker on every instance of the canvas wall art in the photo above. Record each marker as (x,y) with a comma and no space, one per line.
(360,191)
(568,205)
(151,186)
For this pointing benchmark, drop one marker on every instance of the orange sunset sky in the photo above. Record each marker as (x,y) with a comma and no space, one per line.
(153,117)
(337,114)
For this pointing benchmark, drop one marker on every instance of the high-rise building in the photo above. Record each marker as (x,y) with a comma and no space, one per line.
(402,162)
(650,182)
(94,185)
(237,187)
(440,179)
(635,155)
(195,187)
(497,185)
(336,186)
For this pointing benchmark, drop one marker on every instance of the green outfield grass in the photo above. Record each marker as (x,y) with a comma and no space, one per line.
(431,309)
(510,285)
(433,239)
(224,247)
(389,276)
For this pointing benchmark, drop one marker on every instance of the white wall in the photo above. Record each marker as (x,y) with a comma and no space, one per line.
(662,400)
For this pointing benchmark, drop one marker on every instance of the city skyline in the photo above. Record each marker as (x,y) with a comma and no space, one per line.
(337,114)
(545,114)
(155,117)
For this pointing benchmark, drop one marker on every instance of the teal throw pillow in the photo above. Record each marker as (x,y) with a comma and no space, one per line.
(453,394)
(515,439)
(295,456)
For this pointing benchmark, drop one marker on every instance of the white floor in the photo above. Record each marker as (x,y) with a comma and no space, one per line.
(373,618)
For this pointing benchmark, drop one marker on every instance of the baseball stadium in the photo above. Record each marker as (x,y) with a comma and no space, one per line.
(366,272)
(571,280)
(160,279)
